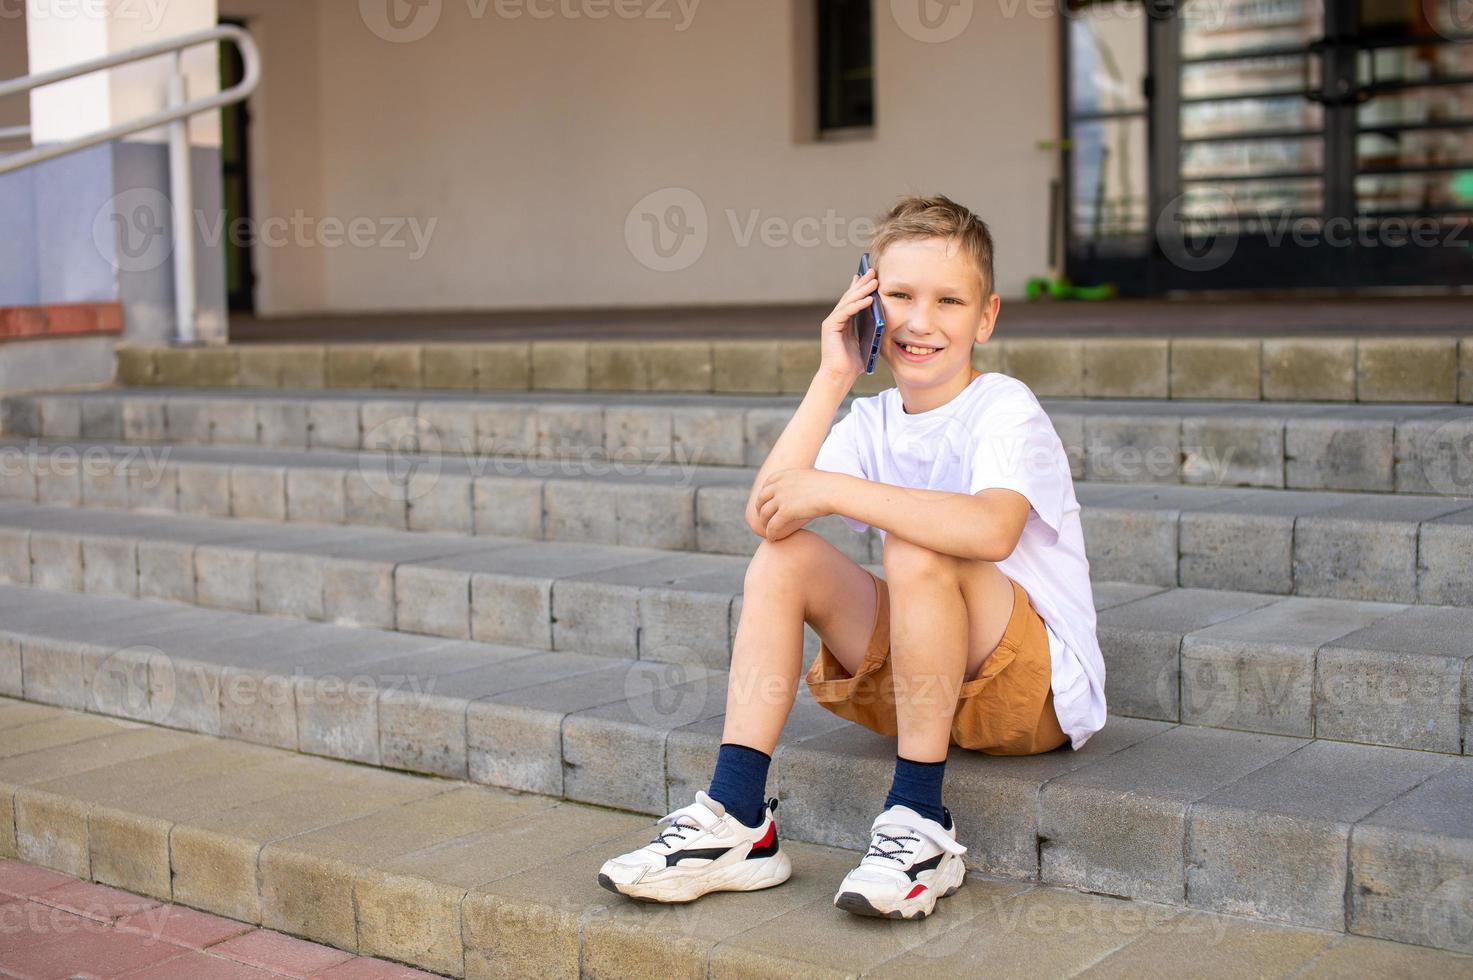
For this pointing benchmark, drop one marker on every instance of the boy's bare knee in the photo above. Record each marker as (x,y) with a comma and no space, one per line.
(908,562)
(788,558)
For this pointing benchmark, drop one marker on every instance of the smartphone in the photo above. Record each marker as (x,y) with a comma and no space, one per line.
(869,324)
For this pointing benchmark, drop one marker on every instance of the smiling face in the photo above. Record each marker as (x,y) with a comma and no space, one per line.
(935,310)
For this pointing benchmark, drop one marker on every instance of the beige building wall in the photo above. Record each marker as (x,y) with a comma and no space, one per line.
(521,147)
(13,64)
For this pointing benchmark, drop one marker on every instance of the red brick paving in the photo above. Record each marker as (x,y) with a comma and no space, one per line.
(281,954)
(54,927)
(363,968)
(26,880)
(95,901)
(184,926)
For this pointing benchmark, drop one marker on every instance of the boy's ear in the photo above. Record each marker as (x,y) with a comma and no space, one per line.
(990,310)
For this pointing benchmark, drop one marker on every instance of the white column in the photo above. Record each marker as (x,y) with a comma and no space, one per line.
(64,32)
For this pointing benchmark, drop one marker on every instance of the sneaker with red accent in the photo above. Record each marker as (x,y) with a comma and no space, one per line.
(700,848)
(912,862)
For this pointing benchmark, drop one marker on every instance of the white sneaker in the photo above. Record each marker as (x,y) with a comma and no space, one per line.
(912,861)
(700,848)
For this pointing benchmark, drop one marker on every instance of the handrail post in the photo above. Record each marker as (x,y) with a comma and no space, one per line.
(181,191)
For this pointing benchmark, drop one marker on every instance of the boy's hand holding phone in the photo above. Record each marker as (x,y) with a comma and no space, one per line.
(788,491)
(839,348)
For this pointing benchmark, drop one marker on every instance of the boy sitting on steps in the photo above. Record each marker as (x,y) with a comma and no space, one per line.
(982,631)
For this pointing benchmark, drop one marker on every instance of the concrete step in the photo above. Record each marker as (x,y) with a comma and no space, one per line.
(477,882)
(1373,672)
(1385,448)
(1396,367)
(1331,835)
(1409,548)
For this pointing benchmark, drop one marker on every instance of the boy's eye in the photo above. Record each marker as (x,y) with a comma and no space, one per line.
(950,299)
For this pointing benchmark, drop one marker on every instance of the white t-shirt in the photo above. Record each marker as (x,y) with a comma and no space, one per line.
(995,434)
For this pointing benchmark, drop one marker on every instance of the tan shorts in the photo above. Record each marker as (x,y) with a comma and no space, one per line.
(1007,709)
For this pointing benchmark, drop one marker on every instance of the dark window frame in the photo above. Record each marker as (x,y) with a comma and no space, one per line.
(845,77)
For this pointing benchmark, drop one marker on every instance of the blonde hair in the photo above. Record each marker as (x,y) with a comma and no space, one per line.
(936,216)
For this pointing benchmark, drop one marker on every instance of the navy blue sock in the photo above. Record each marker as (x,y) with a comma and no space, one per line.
(918,786)
(740,781)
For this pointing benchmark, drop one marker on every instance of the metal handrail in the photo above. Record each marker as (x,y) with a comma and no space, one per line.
(176,117)
(249,56)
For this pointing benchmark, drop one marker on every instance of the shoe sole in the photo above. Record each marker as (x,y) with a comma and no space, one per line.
(782,870)
(859,904)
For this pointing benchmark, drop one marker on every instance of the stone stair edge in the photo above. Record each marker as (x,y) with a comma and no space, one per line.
(1399,447)
(1399,547)
(842,753)
(317,879)
(308,881)
(1289,664)
(1390,368)
(551,595)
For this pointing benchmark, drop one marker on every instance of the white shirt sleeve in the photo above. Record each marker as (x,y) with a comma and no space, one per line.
(1020,451)
(840,454)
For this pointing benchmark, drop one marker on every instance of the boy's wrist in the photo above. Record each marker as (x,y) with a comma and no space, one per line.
(832,492)
(830,380)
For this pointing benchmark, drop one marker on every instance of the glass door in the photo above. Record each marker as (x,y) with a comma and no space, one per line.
(1288,144)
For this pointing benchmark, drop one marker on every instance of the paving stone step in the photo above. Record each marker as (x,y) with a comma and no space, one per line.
(1386,448)
(1371,840)
(1397,367)
(478,882)
(1402,548)
(1372,672)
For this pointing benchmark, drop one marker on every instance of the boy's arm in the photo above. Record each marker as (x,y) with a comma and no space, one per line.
(1018,467)
(985,525)
(797,447)
(839,366)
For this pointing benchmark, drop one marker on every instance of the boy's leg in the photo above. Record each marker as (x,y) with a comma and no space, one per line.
(947,614)
(801,578)
(698,849)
